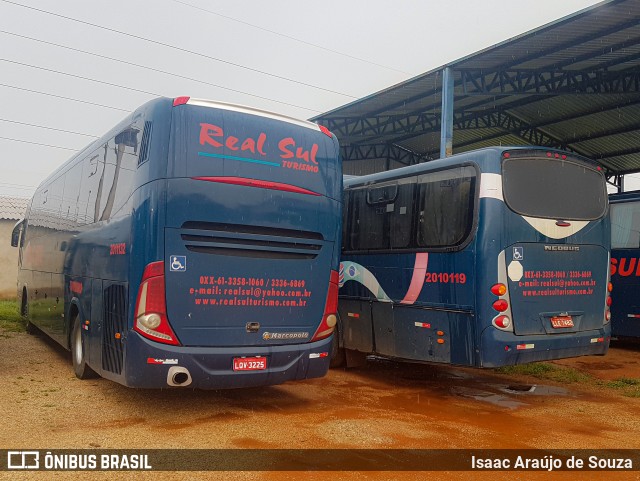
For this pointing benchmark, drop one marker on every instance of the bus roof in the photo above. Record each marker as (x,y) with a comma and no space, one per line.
(447,162)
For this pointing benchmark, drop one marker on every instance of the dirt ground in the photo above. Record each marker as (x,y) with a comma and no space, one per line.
(384,405)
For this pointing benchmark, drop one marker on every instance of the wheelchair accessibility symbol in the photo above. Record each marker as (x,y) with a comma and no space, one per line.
(178,263)
(518,253)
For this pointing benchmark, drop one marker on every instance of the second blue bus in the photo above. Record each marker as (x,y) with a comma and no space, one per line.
(493,257)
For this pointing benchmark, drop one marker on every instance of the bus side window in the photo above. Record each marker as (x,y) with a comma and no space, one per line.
(625,225)
(53,204)
(446,208)
(367,222)
(381,216)
(121,162)
(91,169)
(400,218)
(70,196)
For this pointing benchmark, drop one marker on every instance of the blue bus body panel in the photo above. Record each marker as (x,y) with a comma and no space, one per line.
(625,309)
(409,330)
(501,349)
(563,282)
(259,253)
(148,364)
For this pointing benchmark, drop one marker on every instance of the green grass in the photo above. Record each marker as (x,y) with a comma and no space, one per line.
(629,387)
(10,319)
(543,370)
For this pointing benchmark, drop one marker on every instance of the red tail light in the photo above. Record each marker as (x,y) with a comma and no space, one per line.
(503,322)
(329,318)
(499,289)
(151,307)
(501,305)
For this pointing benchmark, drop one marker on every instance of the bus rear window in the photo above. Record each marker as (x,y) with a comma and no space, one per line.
(538,186)
(224,142)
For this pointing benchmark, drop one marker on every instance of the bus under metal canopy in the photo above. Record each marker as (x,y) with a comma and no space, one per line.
(573,84)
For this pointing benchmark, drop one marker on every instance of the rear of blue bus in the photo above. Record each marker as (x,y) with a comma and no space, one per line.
(544,292)
(243,291)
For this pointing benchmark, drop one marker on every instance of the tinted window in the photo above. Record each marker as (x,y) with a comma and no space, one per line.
(70,197)
(538,186)
(381,216)
(446,207)
(625,225)
(53,203)
(213,142)
(91,172)
(120,164)
(434,210)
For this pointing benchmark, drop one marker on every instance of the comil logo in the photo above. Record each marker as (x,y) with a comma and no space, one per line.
(23,460)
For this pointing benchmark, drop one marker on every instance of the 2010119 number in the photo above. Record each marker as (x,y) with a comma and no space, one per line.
(445,277)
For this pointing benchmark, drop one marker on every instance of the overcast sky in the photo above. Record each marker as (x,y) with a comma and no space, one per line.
(71,69)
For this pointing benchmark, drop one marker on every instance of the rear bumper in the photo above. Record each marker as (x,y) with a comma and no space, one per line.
(499,348)
(152,365)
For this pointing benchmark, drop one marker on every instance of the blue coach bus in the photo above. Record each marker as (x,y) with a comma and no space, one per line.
(625,264)
(494,257)
(196,244)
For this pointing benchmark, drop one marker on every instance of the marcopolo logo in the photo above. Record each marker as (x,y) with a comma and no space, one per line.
(283,336)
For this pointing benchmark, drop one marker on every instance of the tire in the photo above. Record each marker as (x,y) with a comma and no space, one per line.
(78,358)
(338,357)
(24,313)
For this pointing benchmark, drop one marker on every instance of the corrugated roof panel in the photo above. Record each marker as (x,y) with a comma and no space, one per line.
(599,43)
(13,208)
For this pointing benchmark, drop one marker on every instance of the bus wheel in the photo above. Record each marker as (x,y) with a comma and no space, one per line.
(24,313)
(80,366)
(337,353)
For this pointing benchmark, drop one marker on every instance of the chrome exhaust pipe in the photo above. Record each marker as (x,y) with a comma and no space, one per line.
(178,376)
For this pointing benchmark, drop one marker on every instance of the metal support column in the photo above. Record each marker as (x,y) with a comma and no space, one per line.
(446,129)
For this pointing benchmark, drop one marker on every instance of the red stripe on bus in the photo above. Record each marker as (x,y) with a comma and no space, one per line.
(262,184)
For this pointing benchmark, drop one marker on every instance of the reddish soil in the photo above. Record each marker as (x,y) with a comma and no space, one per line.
(384,405)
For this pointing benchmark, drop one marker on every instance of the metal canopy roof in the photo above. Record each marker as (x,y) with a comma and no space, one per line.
(572,84)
